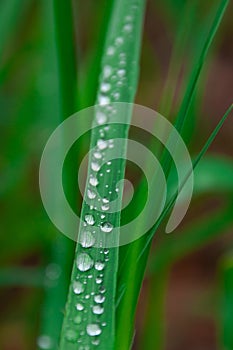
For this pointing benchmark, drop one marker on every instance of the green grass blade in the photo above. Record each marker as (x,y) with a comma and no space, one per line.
(77,327)
(60,55)
(226,303)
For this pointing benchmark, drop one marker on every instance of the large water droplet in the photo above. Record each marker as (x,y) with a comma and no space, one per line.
(99,265)
(97,310)
(93,181)
(102,144)
(91,194)
(99,299)
(78,287)
(86,239)
(89,219)
(106,227)
(84,262)
(93,329)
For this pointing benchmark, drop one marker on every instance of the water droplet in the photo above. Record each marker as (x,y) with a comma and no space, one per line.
(95,166)
(119,41)
(93,329)
(102,289)
(101,117)
(103,100)
(93,181)
(121,72)
(99,299)
(71,335)
(110,51)
(78,287)
(86,239)
(95,342)
(91,194)
(97,310)
(45,342)
(77,319)
(105,207)
(107,71)
(79,307)
(98,280)
(102,144)
(99,265)
(97,155)
(89,219)
(106,227)
(105,200)
(128,28)
(105,87)
(84,262)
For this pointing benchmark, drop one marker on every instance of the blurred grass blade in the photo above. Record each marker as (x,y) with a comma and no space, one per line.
(98,325)
(226,303)
(61,61)
(193,80)
(195,163)
(21,277)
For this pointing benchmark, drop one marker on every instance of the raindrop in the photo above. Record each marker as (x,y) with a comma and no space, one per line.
(84,262)
(98,280)
(103,100)
(106,227)
(95,166)
(101,117)
(99,299)
(102,144)
(93,181)
(97,155)
(78,287)
(89,219)
(119,41)
(91,194)
(79,307)
(107,71)
(105,207)
(105,200)
(77,319)
(110,51)
(93,329)
(121,72)
(86,239)
(99,265)
(105,87)
(71,335)
(128,28)
(97,310)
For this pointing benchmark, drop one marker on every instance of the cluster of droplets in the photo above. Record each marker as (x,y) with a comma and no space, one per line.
(88,288)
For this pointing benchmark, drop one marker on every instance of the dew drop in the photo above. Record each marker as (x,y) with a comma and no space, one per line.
(102,144)
(103,100)
(97,310)
(97,155)
(128,28)
(91,194)
(119,41)
(99,265)
(107,71)
(105,87)
(95,166)
(86,239)
(105,200)
(93,329)
(101,118)
(106,227)
(121,72)
(84,262)
(71,335)
(77,319)
(99,299)
(98,280)
(79,307)
(89,219)
(105,207)
(93,181)
(78,287)
(110,51)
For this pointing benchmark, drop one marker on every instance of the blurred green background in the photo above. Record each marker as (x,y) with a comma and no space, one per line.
(197,285)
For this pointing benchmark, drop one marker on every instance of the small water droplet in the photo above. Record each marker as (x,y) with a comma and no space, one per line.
(99,299)
(119,41)
(105,207)
(102,289)
(98,280)
(89,219)
(93,181)
(121,72)
(107,71)
(95,166)
(91,194)
(97,310)
(78,287)
(105,87)
(79,307)
(71,335)
(99,265)
(128,28)
(106,227)
(77,319)
(110,50)
(93,329)
(105,200)
(102,144)
(97,155)
(84,262)
(101,118)
(103,100)
(95,342)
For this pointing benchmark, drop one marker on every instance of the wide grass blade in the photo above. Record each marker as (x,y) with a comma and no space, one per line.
(90,311)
